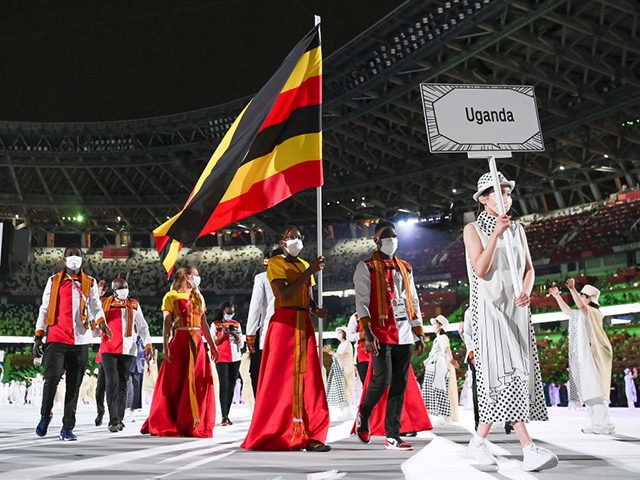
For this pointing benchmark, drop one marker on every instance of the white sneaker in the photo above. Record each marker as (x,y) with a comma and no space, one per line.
(480,453)
(537,458)
(600,431)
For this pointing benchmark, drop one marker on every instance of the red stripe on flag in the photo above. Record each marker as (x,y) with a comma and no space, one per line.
(307,93)
(161,241)
(267,193)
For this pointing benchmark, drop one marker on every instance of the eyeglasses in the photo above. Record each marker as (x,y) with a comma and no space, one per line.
(293,237)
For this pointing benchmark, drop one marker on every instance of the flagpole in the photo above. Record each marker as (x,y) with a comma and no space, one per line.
(319,232)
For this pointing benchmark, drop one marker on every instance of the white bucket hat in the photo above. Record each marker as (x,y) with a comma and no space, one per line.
(486,181)
(592,292)
(441,319)
(344,329)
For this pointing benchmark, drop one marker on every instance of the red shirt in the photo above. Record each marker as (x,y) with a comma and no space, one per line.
(63,330)
(228,349)
(114,320)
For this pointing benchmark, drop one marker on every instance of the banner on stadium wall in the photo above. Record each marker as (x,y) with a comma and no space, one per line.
(478,118)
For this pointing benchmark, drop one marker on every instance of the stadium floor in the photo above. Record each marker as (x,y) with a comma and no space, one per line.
(439,454)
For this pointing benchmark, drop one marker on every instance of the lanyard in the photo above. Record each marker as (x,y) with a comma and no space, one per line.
(82,296)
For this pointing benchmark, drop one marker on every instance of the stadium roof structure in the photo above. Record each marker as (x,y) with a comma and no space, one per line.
(582,56)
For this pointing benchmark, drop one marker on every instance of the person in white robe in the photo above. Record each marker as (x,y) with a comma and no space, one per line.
(590,355)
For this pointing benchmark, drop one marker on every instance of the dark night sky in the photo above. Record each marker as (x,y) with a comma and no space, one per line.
(122,60)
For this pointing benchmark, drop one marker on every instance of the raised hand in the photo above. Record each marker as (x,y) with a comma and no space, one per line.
(317,265)
(502,223)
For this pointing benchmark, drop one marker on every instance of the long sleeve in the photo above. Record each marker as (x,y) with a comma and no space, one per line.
(257,307)
(94,305)
(412,296)
(362,286)
(352,329)
(241,344)
(142,328)
(41,323)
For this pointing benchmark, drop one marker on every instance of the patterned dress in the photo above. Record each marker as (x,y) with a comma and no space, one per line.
(507,366)
(436,379)
(336,396)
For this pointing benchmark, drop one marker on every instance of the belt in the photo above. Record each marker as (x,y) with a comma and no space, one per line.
(187,328)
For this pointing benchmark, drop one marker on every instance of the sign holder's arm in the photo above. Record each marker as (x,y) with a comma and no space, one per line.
(507,236)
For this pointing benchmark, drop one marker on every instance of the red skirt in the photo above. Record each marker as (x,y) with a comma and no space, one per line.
(291,404)
(183,403)
(414,417)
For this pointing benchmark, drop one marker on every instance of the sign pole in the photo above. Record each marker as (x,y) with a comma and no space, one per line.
(507,236)
(486,121)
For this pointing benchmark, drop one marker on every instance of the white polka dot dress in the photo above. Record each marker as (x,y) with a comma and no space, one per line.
(435,385)
(507,367)
(336,396)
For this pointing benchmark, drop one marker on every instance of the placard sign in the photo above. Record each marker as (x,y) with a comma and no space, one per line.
(476,118)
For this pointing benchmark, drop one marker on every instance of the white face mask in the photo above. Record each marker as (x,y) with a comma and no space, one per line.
(293,247)
(73,262)
(121,293)
(228,316)
(492,204)
(389,245)
(195,281)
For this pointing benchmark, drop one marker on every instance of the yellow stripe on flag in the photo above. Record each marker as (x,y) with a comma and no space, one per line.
(292,151)
(309,65)
(170,260)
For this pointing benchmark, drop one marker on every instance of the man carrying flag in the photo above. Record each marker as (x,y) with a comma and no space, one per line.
(272,151)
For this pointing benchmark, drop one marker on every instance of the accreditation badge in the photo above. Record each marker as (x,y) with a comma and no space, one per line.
(399,309)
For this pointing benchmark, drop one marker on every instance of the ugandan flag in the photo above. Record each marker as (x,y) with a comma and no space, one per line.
(272,151)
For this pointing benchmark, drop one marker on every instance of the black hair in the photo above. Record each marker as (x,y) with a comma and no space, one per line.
(383,224)
(219,313)
(272,253)
(486,191)
(70,247)
(442,330)
(288,227)
(590,303)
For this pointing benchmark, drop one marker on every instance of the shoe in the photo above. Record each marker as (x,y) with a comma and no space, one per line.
(396,443)
(67,435)
(98,419)
(43,425)
(120,426)
(480,453)
(316,446)
(599,431)
(362,429)
(114,427)
(537,458)
(409,434)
